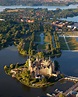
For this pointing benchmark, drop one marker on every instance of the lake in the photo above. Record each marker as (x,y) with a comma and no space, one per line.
(73,19)
(10,87)
(48,7)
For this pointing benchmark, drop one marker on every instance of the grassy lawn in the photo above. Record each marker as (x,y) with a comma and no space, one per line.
(38,33)
(37,39)
(63,44)
(40,46)
(73,44)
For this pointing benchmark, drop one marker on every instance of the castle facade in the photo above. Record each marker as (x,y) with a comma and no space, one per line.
(41,67)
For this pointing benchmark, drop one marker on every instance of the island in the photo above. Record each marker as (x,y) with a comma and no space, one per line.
(35,73)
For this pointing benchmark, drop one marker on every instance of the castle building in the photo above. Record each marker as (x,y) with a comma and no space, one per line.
(41,67)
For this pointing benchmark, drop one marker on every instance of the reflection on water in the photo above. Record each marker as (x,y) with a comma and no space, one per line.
(69,63)
(73,19)
(13,48)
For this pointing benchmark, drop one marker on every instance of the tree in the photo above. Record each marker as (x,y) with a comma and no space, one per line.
(61,95)
(44,80)
(40,54)
(26,64)
(57,66)
(16,65)
(11,66)
(5,67)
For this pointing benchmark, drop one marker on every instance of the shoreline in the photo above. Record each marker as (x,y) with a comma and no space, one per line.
(69,50)
(45,4)
(23,74)
(39,6)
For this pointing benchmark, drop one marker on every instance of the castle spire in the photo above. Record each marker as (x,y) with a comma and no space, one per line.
(49,58)
(30,63)
(37,59)
(53,66)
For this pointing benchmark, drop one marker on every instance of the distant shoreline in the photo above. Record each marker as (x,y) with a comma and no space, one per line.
(69,50)
(42,4)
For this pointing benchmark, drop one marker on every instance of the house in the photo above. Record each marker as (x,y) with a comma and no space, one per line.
(59,24)
(30,21)
(74,26)
(2,19)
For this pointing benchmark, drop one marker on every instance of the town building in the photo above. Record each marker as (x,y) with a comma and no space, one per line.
(73,26)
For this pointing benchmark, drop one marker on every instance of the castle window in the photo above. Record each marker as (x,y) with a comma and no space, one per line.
(44,67)
(48,66)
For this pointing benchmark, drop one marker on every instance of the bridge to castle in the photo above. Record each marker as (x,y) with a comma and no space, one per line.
(71,78)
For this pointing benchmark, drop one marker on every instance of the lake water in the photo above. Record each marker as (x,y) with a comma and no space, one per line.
(73,19)
(10,87)
(48,7)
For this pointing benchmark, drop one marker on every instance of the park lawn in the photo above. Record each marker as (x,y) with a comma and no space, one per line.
(72,42)
(38,33)
(37,38)
(63,44)
(41,47)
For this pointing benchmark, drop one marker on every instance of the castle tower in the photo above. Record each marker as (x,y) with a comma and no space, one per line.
(37,59)
(53,66)
(49,58)
(30,63)
(50,70)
